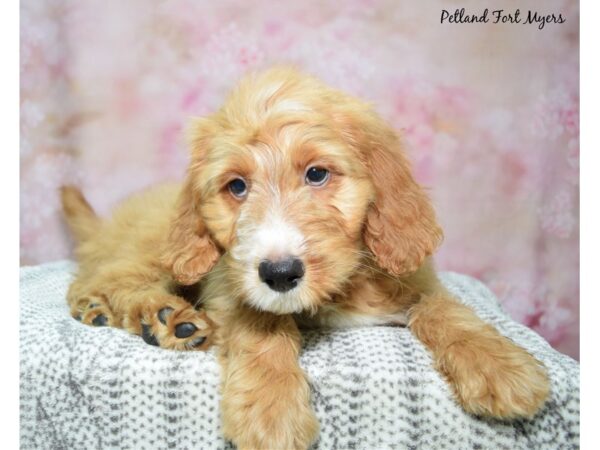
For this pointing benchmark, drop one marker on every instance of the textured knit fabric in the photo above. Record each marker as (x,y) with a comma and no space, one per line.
(373,388)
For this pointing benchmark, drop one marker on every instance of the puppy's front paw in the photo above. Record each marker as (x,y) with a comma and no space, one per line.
(278,433)
(269,413)
(170,322)
(93,310)
(494,377)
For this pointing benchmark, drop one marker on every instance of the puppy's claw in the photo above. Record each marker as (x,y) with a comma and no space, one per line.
(185,329)
(147,335)
(164,313)
(100,320)
(196,342)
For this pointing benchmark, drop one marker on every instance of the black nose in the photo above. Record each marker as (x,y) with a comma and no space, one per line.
(281,276)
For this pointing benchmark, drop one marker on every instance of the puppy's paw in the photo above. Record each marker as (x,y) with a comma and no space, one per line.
(268,411)
(171,322)
(301,434)
(93,310)
(496,378)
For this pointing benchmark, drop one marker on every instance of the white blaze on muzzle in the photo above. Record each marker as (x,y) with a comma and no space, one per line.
(276,238)
(273,239)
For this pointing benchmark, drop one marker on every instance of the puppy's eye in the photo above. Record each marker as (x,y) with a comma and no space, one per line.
(238,188)
(317,176)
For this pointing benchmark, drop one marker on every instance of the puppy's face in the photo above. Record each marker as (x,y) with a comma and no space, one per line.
(287,204)
(293,184)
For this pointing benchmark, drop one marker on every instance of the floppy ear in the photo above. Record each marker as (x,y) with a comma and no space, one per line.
(190,252)
(401,229)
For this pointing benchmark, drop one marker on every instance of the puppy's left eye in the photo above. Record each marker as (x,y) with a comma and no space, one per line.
(238,188)
(317,176)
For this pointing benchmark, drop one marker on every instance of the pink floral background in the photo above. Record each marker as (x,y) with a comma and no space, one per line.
(490,113)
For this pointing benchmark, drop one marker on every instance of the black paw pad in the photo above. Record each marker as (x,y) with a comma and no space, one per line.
(197,342)
(147,335)
(185,329)
(100,320)
(164,313)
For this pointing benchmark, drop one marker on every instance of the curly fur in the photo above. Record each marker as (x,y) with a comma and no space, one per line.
(365,238)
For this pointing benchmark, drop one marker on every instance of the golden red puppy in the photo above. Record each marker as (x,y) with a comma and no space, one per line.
(298,210)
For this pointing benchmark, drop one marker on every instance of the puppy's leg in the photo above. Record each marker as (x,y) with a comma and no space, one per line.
(148,310)
(266,395)
(490,375)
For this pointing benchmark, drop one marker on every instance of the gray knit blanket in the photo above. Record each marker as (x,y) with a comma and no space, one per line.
(373,388)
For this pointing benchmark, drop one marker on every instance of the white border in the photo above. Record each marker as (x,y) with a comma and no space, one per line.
(9,234)
(590,223)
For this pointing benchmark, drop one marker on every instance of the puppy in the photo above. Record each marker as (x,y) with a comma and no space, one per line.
(298,209)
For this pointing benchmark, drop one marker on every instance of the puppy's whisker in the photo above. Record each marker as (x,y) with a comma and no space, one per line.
(373,268)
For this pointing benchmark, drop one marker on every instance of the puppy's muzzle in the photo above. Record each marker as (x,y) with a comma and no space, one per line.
(283,275)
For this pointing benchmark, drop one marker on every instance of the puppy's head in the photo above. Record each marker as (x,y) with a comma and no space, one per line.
(295,184)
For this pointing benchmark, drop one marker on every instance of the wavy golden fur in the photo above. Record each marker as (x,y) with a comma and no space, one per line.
(363,239)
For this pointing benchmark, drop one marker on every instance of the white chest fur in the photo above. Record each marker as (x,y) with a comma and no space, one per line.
(331,317)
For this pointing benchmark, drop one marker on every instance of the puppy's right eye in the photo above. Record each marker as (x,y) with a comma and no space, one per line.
(317,176)
(238,188)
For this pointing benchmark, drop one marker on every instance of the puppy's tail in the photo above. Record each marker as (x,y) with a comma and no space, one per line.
(80,216)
